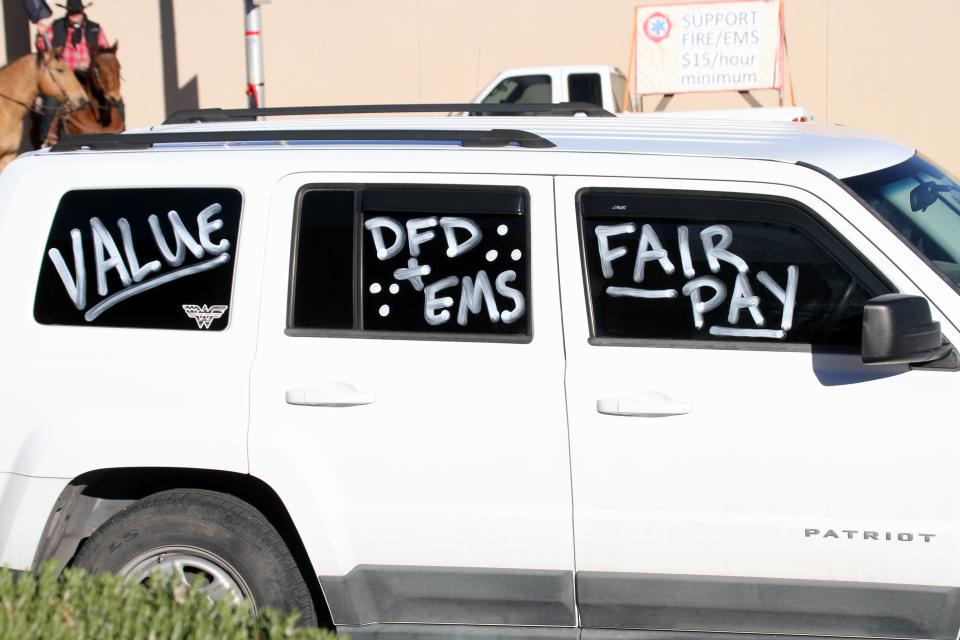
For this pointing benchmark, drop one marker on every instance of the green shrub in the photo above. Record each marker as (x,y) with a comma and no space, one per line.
(78,606)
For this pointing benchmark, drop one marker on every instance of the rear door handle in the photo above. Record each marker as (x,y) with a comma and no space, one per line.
(650,404)
(337,394)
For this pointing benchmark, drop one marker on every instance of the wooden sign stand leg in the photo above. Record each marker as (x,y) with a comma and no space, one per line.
(664,101)
(751,100)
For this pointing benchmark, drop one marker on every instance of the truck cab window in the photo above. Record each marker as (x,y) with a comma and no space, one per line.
(585,87)
(522,90)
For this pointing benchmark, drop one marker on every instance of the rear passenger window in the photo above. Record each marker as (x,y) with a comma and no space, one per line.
(585,87)
(411,261)
(664,267)
(143,258)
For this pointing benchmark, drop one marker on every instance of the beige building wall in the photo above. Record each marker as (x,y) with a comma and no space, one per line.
(889,66)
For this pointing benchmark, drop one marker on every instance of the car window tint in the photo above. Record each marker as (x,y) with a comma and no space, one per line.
(413,260)
(585,87)
(324,265)
(144,258)
(675,268)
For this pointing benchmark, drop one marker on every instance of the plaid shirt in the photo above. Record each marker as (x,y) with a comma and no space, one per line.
(77,58)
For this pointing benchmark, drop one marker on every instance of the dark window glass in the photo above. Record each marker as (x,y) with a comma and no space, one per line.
(145,258)
(323,291)
(431,260)
(585,87)
(693,268)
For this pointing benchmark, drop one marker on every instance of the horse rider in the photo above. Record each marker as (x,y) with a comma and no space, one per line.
(74,33)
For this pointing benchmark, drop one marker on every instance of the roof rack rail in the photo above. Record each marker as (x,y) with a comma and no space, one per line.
(473,108)
(466,138)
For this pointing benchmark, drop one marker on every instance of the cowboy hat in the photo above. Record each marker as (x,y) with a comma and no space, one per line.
(74,6)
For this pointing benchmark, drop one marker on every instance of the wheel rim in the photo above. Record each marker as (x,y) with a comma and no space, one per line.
(185,565)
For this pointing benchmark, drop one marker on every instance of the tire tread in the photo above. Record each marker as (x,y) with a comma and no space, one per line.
(224,509)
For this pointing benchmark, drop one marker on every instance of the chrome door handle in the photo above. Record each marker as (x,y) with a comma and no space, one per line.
(337,394)
(650,404)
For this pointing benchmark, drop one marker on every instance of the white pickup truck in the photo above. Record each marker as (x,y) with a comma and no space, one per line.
(605,86)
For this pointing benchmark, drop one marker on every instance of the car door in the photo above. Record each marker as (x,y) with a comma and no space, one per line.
(735,465)
(407,396)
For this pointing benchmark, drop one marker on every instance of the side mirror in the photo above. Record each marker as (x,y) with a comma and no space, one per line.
(898,329)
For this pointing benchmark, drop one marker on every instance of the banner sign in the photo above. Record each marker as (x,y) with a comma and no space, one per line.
(725,45)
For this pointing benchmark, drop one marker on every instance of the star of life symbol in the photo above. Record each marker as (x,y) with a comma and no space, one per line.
(657,26)
(204,315)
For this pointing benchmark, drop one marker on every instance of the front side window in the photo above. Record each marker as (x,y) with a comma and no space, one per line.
(144,258)
(422,261)
(521,90)
(923,204)
(693,268)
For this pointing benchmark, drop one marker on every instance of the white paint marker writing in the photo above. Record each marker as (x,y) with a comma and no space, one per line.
(649,249)
(717,251)
(434,308)
(608,255)
(743,298)
(376,226)
(413,272)
(683,238)
(692,289)
(630,292)
(414,236)
(450,224)
(747,333)
(474,294)
(519,304)
(786,297)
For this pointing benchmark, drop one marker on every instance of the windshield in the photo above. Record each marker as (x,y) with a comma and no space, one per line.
(923,204)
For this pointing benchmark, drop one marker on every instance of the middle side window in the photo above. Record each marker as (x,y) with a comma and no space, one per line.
(412,260)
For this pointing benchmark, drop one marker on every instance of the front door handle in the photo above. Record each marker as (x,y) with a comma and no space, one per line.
(650,404)
(337,394)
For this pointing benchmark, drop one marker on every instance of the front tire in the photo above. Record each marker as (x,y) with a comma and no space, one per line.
(188,533)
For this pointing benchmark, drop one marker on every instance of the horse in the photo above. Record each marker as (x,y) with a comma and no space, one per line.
(102,114)
(20,83)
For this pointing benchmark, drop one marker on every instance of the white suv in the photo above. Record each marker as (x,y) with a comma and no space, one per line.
(543,377)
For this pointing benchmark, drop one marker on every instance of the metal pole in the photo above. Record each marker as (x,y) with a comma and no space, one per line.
(255,91)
